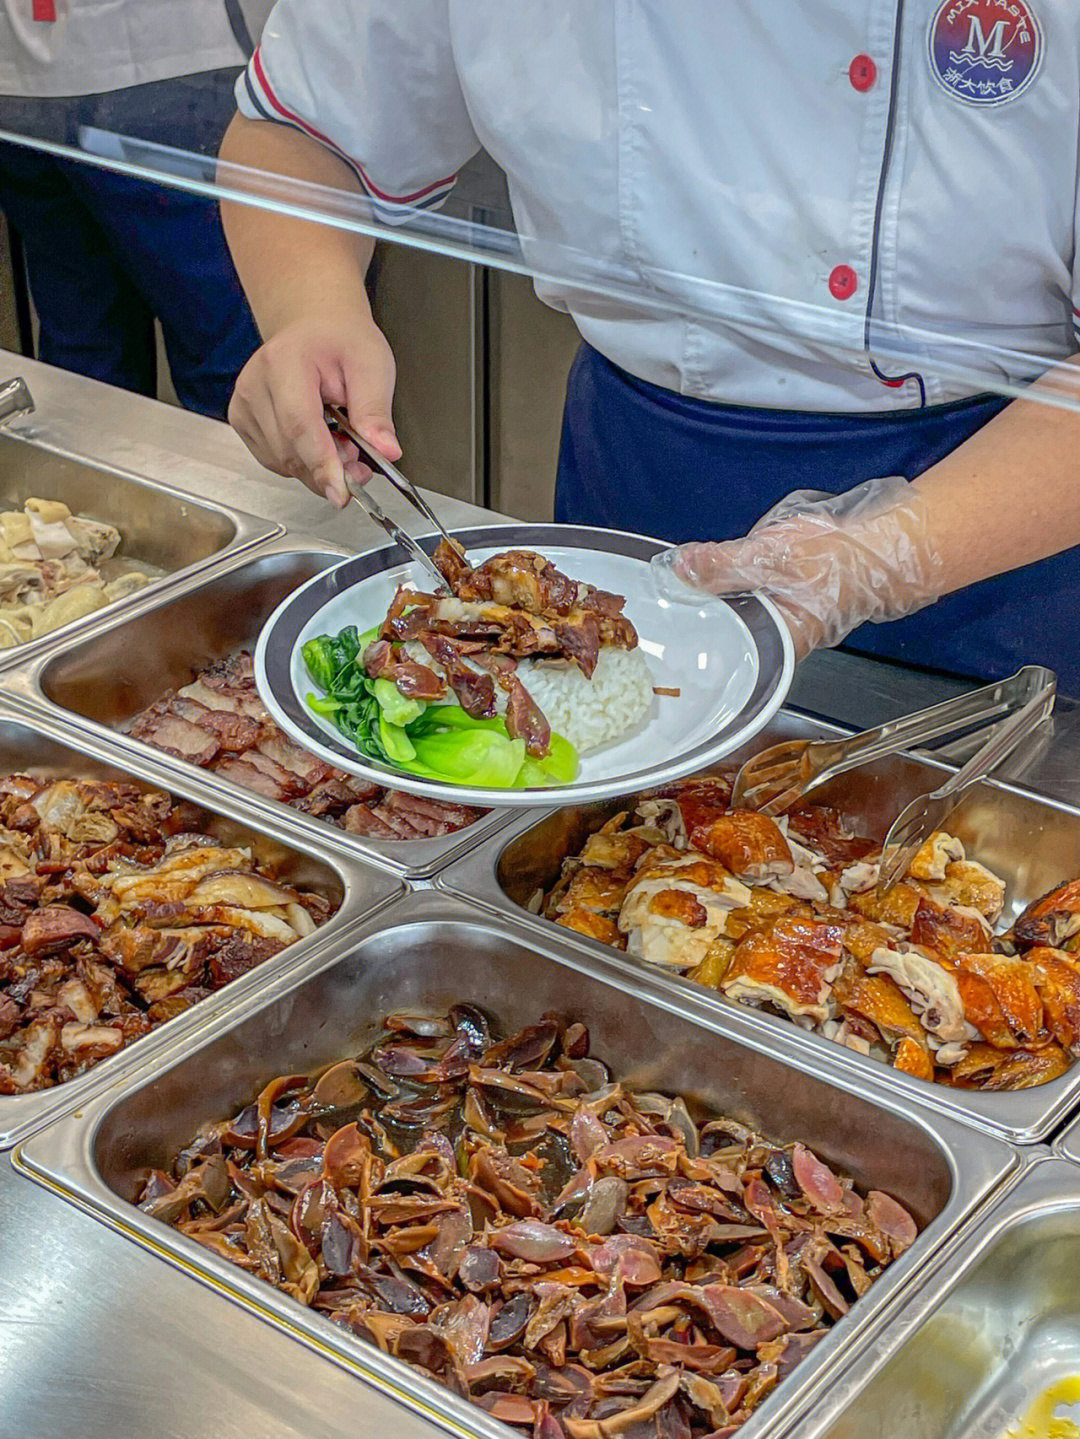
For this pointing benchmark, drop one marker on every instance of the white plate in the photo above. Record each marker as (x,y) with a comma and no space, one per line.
(732,661)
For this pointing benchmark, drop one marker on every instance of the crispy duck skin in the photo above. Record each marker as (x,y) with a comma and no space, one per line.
(568,1254)
(916,978)
(525,580)
(125,914)
(219,723)
(1051,920)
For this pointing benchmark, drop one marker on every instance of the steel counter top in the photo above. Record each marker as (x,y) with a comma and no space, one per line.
(98,1339)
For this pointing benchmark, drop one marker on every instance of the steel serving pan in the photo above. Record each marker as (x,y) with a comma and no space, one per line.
(428,951)
(1032,842)
(993,1321)
(47,748)
(160,525)
(100,680)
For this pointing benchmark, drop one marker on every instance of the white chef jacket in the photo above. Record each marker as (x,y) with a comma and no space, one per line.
(912,162)
(87,47)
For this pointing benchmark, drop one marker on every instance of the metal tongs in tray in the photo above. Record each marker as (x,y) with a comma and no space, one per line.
(338,420)
(780,776)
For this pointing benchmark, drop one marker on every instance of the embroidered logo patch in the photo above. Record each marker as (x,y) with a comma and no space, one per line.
(985,52)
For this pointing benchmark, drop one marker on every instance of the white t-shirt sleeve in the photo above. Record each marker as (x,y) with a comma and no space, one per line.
(373,80)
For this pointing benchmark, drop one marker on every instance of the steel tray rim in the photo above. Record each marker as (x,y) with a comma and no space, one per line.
(365,891)
(979,1164)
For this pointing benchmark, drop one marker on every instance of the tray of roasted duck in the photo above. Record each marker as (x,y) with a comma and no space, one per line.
(965,975)
(177,677)
(479,1168)
(77,538)
(988,1343)
(127,908)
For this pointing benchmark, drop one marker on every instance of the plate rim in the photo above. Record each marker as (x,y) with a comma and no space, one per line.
(763,622)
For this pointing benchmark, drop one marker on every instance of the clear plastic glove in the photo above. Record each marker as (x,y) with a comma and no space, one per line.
(829,562)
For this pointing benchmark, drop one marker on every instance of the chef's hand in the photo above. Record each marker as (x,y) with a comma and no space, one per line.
(829,562)
(277,406)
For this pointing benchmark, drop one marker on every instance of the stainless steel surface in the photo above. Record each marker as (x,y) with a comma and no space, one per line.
(15,399)
(1067,1143)
(776,778)
(107,675)
(43,747)
(99,1340)
(994,1321)
(1030,841)
(429,951)
(922,816)
(161,527)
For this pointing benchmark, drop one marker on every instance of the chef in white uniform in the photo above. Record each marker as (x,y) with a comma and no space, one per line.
(795,183)
(106,255)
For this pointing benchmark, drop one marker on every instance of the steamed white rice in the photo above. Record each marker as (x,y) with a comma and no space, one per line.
(591,712)
(587,712)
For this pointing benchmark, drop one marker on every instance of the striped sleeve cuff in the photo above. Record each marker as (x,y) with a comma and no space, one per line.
(258,100)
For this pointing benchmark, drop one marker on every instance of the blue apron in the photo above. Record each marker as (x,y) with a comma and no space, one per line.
(635,456)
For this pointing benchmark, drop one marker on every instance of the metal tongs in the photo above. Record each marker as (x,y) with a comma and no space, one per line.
(914,825)
(780,776)
(338,420)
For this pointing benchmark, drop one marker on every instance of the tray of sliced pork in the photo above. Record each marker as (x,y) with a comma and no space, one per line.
(129,910)
(966,975)
(475,1165)
(177,677)
(77,537)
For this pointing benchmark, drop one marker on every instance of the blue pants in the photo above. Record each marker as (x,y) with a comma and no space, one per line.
(638,457)
(106,255)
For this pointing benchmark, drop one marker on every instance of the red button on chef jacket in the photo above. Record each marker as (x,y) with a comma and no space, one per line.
(862,72)
(843,282)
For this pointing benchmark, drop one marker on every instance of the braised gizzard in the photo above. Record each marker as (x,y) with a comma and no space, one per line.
(573,1256)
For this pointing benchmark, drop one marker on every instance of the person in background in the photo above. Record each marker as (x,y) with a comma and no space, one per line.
(107,254)
(873,162)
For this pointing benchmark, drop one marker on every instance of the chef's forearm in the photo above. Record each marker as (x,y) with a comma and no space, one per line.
(1011,494)
(289,267)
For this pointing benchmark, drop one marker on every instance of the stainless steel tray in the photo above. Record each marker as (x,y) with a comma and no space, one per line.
(993,1321)
(1067,1144)
(158,524)
(430,950)
(102,678)
(46,748)
(1032,842)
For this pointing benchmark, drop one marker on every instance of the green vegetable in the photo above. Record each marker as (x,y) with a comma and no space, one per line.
(481,758)
(319,658)
(396,742)
(396,708)
(558,766)
(439,742)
